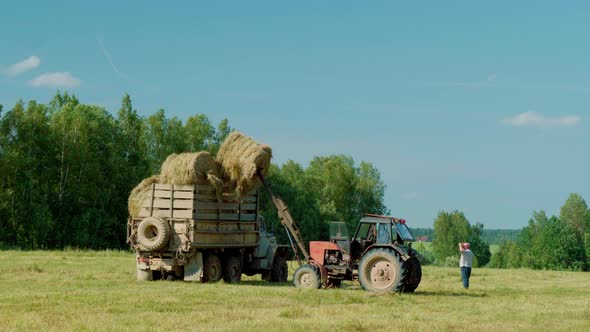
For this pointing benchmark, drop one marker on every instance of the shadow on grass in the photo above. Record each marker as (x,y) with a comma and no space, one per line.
(266,283)
(465,293)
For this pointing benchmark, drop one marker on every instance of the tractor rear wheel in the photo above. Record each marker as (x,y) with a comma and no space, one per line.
(413,275)
(211,268)
(307,276)
(232,269)
(381,270)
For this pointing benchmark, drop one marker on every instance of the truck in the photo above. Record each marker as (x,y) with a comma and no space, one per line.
(193,233)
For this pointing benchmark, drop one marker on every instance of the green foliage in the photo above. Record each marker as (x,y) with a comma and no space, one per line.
(452,228)
(449,230)
(480,248)
(66,168)
(575,213)
(548,243)
(330,189)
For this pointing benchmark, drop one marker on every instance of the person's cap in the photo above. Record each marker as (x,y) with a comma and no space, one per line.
(466,245)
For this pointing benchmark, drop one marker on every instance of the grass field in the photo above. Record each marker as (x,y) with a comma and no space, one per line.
(83,290)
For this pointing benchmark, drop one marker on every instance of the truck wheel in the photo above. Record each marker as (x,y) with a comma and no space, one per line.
(211,268)
(280,270)
(380,270)
(413,275)
(307,276)
(232,269)
(153,233)
(144,275)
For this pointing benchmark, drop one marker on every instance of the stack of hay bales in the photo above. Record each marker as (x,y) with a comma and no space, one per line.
(240,158)
(139,194)
(190,168)
(234,169)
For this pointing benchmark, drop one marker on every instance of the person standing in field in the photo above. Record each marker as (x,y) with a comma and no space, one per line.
(465,263)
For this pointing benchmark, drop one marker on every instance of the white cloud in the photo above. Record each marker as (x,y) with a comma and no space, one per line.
(56,80)
(534,119)
(27,64)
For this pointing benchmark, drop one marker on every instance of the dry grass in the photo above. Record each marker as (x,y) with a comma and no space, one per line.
(79,290)
(190,168)
(240,158)
(139,194)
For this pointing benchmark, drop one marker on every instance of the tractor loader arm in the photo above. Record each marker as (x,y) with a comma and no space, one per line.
(287,221)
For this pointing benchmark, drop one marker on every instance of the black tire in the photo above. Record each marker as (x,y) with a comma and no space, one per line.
(381,270)
(336,283)
(280,270)
(212,268)
(307,276)
(232,269)
(413,275)
(153,233)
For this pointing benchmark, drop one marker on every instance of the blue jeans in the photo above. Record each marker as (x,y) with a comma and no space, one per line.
(465,274)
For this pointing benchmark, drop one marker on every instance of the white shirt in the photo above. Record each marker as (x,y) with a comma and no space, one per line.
(466,258)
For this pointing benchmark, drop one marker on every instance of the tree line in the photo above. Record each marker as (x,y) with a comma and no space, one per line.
(556,242)
(67,168)
(491,236)
(553,243)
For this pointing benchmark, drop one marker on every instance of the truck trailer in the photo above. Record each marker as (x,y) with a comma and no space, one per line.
(193,233)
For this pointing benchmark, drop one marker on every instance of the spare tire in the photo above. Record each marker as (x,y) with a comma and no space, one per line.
(153,233)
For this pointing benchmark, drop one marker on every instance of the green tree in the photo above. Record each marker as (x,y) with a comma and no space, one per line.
(26,164)
(161,137)
(575,212)
(333,179)
(480,248)
(200,133)
(223,130)
(556,247)
(370,190)
(449,230)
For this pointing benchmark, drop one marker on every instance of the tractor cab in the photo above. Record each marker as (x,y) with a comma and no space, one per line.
(379,230)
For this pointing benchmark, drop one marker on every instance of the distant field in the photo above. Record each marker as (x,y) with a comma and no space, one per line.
(82,290)
(428,246)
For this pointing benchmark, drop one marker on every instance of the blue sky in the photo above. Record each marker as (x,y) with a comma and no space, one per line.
(478,107)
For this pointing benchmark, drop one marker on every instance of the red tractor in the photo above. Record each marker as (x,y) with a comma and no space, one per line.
(379,255)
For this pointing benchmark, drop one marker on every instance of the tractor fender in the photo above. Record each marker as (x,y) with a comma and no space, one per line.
(401,252)
(323,271)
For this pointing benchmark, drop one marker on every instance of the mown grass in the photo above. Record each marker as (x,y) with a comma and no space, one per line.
(83,290)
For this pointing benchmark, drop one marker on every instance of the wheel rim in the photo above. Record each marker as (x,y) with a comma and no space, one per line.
(234,271)
(306,280)
(381,273)
(214,272)
(151,232)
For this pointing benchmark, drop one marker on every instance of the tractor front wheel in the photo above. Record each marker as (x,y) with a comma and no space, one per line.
(307,276)
(381,270)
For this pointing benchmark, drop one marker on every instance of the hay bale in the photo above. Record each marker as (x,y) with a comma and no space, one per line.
(190,168)
(240,158)
(139,194)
